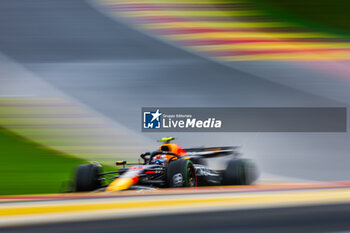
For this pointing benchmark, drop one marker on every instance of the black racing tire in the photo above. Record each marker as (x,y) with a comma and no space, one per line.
(181,173)
(240,172)
(87,178)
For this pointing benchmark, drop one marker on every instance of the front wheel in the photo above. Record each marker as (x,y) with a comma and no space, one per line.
(181,173)
(87,178)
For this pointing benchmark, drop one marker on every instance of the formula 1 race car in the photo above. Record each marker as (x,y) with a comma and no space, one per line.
(170,166)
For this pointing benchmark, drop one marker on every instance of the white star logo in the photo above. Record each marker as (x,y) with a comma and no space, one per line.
(156,115)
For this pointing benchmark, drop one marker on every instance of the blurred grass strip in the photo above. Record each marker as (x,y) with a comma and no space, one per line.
(27,168)
(42,140)
(197,13)
(322,15)
(246,29)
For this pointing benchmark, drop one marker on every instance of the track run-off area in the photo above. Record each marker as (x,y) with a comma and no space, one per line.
(72,207)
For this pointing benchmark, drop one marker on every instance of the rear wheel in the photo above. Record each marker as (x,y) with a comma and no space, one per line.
(240,172)
(181,173)
(87,178)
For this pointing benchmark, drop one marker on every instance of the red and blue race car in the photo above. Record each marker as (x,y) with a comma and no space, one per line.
(170,166)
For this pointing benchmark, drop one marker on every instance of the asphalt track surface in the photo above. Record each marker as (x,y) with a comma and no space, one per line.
(334,218)
(322,208)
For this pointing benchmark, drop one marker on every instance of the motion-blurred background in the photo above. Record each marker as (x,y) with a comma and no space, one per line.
(74,75)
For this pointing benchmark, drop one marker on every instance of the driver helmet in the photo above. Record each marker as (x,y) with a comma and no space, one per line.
(160,159)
